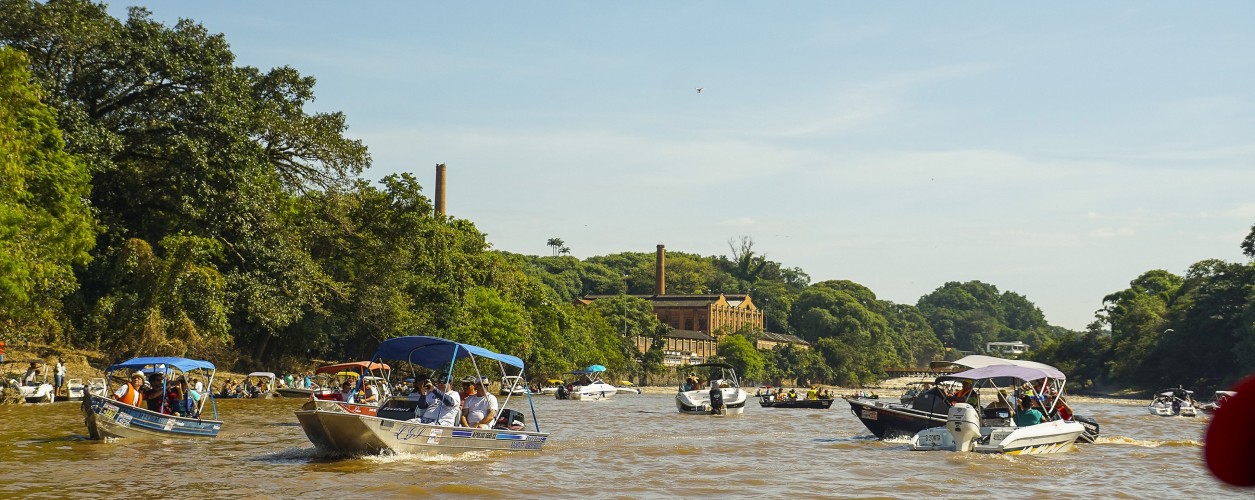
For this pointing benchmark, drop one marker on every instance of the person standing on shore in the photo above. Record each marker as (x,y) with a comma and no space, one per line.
(1,351)
(58,378)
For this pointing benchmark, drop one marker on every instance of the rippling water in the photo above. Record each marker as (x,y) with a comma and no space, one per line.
(631,447)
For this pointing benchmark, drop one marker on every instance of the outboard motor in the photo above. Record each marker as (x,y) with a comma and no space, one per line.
(562,393)
(511,420)
(716,400)
(963,422)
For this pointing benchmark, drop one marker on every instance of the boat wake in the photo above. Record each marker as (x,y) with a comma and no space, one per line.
(390,457)
(1188,443)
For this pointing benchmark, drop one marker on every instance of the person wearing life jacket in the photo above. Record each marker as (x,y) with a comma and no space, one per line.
(130,393)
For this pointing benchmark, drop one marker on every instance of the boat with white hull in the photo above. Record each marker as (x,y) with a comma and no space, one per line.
(721,394)
(991,429)
(889,419)
(1173,403)
(1046,437)
(397,427)
(590,386)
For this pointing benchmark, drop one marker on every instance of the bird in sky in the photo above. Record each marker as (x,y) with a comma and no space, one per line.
(699,90)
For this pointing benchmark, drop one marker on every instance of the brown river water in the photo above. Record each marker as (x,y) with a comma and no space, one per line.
(634,446)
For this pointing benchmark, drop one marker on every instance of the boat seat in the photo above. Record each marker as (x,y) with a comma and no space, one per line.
(399,409)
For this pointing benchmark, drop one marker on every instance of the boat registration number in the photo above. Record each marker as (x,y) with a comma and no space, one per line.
(526,445)
(930,439)
(869,415)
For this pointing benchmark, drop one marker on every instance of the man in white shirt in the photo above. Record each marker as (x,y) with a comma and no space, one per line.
(450,404)
(480,409)
(427,402)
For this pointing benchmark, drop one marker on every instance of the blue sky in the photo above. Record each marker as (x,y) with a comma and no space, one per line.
(1057,151)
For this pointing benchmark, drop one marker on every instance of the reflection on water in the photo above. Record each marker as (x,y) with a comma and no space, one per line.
(632,446)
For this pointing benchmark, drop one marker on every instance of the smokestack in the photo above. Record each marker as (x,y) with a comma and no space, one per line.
(660,270)
(440,168)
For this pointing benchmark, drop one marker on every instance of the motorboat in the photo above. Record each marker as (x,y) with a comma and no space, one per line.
(34,386)
(773,400)
(109,418)
(260,385)
(718,393)
(1221,397)
(324,381)
(930,408)
(590,386)
(397,426)
(969,427)
(627,387)
(77,390)
(551,386)
(1173,402)
(914,389)
(513,385)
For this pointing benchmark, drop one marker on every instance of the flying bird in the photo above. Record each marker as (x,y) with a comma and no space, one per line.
(699,90)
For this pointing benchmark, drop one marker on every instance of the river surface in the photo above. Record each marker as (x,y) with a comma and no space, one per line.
(634,446)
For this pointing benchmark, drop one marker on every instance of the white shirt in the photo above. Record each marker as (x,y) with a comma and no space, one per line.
(199,386)
(346,396)
(60,369)
(449,413)
(477,407)
(432,412)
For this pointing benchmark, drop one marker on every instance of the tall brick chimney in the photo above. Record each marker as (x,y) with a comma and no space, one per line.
(660,270)
(440,168)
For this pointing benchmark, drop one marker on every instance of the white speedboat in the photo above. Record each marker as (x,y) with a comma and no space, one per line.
(626,387)
(34,386)
(1173,402)
(718,393)
(513,385)
(991,429)
(590,386)
(396,427)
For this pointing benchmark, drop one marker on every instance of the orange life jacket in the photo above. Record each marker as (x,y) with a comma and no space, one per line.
(132,396)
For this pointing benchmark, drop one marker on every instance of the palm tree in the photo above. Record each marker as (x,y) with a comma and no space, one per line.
(555,244)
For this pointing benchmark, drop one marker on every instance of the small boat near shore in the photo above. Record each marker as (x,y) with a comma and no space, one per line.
(1176,402)
(107,417)
(1221,397)
(770,401)
(590,386)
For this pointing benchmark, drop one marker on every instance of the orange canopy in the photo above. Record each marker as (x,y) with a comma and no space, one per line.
(356,366)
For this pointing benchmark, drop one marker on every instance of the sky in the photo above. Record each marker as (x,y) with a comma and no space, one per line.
(1057,151)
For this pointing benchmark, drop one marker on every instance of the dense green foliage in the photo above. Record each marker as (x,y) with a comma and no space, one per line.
(155,198)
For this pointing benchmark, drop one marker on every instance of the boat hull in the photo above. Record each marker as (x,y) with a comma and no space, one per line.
(290,392)
(1046,437)
(891,420)
(698,402)
(894,420)
(593,392)
(107,419)
(814,404)
(346,433)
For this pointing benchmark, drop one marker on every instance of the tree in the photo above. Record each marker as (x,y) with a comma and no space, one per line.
(555,244)
(737,351)
(46,228)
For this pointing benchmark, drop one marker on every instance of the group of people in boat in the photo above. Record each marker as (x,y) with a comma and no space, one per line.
(812,394)
(1027,409)
(243,389)
(178,397)
(473,407)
